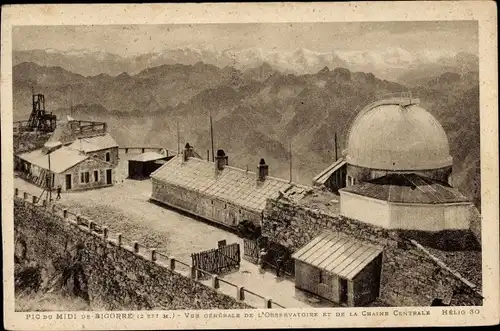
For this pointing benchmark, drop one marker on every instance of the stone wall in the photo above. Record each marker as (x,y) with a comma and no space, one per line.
(202,205)
(293,226)
(115,276)
(409,277)
(113,154)
(89,165)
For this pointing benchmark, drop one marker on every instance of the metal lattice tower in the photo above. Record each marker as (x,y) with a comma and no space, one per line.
(39,119)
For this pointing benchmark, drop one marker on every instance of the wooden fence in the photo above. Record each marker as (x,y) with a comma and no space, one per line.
(275,252)
(250,250)
(218,261)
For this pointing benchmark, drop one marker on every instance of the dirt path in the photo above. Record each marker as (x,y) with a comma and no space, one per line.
(125,208)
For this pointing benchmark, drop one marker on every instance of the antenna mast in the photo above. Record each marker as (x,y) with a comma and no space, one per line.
(290,157)
(178,139)
(212,135)
(50,180)
(336,155)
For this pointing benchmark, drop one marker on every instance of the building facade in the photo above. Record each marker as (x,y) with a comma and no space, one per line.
(78,156)
(216,191)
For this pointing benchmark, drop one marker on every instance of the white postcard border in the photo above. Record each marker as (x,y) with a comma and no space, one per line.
(482,11)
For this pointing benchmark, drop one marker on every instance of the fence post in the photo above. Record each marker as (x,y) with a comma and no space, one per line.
(16,192)
(268,303)
(53,209)
(44,203)
(105,232)
(194,273)
(215,281)
(136,247)
(119,240)
(65,213)
(240,293)
(91,225)
(153,254)
(25,195)
(171,261)
(34,198)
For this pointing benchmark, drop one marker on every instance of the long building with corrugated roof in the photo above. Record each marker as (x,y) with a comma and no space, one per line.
(216,191)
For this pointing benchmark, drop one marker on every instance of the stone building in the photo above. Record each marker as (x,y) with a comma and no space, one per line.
(79,155)
(216,191)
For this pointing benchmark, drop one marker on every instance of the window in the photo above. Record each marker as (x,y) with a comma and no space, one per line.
(96,175)
(108,156)
(95,156)
(321,277)
(84,177)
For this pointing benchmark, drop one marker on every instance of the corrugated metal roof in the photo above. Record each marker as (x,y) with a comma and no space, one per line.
(60,160)
(233,185)
(338,254)
(322,177)
(93,144)
(148,156)
(407,188)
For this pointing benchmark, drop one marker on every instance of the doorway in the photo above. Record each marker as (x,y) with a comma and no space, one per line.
(68,182)
(343,291)
(109,180)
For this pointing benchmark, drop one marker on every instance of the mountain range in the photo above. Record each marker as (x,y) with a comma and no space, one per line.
(395,64)
(257,112)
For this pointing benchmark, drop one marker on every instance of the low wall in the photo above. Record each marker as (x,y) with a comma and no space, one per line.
(116,275)
(293,226)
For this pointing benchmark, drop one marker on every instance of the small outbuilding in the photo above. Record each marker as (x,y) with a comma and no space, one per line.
(143,165)
(339,268)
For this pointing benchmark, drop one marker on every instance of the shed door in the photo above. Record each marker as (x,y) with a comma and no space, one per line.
(343,291)
(108,177)
(68,181)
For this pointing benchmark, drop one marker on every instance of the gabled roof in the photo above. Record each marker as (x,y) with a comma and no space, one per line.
(323,176)
(234,185)
(407,188)
(338,254)
(95,143)
(148,156)
(60,160)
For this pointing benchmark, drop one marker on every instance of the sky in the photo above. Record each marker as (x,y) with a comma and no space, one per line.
(130,40)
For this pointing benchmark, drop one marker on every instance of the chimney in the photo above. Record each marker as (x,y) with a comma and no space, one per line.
(188,152)
(263,170)
(220,160)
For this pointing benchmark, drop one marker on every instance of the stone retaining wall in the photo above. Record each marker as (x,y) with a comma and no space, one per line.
(117,276)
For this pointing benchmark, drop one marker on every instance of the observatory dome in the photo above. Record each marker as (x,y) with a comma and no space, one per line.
(398,136)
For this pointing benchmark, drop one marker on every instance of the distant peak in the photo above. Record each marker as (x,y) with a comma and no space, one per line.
(324,70)
(266,65)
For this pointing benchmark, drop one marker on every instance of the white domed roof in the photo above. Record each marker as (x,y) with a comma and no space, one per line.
(390,135)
